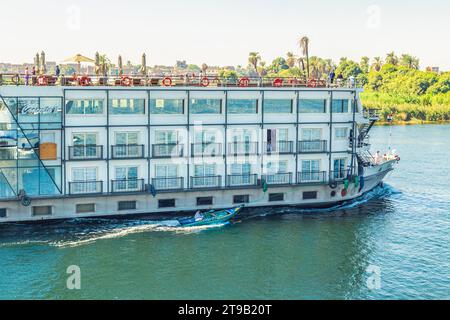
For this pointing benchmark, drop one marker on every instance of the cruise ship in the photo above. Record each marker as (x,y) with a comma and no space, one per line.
(98,147)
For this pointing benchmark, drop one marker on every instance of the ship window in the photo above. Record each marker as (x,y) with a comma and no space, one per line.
(167,106)
(166,203)
(206,106)
(126,205)
(277,106)
(127,106)
(2,212)
(204,201)
(84,106)
(85,208)
(339,106)
(312,106)
(340,133)
(307,195)
(42,210)
(238,106)
(241,198)
(276,197)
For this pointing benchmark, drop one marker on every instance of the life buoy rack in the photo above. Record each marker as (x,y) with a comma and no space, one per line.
(126,81)
(15,79)
(204,82)
(42,81)
(278,82)
(85,81)
(243,82)
(167,82)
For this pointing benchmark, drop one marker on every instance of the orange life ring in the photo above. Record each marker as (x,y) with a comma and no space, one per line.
(85,81)
(278,82)
(126,81)
(167,82)
(243,82)
(204,82)
(41,81)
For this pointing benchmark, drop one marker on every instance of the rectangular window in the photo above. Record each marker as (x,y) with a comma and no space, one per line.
(127,106)
(276,197)
(311,134)
(204,201)
(312,106)
(339,168)
(241,198)
(166,203)
(308,195)
(84,139)
(166,106)
(126,205)
(242,106)
(85,208)
(84,174)
(127,138)
(339,106)
(205,170)
(166,137)
(273,167)
(2,212)
(341,133)
(84,106)
(278,105)
(126,173)
(42,210)
(205,106)
(169,170)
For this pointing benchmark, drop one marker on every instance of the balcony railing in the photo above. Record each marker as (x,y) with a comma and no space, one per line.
(338,175)
(280,147)
(86,152)
(242,148)
(279,178)
(127,185)
(176,183)
(171,150)
(312,146)
(239,180)
(312,177)
(206,149)
(205,182)
(127,151)
(85,187)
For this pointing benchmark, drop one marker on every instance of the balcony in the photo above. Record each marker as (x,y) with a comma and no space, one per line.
(167,184)
(242,148)
(312,146)
(206,182)
(242,180)
(338,175)
(127,151)
(280,147)
(171,150)
(280,178)
(206,149)
(312,177)
(85,187)
(86,152)
(127,185)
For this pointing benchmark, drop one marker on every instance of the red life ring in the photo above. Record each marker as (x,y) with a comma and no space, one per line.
(343,192)
(167,82)
(243,82)
(278,82)
(312,83)
(204,82)
(85,81)
(126,81)
(41,81)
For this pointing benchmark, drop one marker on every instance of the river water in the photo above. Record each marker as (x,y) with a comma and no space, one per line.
(393,243)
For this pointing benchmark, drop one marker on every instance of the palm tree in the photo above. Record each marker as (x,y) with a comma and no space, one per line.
(304,47)
(262,69)
(377,64)
(409,61)
(290,61)
(301,63)
(104,64)
(364,64)
(317,67)
(253,59)
(391,58)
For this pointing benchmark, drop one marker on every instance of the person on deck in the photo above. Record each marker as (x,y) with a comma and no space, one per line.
(377,157)
(57,71)
(27,76)
(332,76)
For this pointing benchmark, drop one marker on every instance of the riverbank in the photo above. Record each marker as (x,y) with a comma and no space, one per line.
(410,123)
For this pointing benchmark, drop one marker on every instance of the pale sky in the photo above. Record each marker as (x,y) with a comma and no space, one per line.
(223,32)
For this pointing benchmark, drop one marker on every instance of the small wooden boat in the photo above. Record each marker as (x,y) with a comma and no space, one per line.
(210,217)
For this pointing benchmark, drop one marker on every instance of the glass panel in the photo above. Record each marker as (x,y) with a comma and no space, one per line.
(309,134)
(166,106)
(84,106)
(127,106)
(312,106)
(278,106)
(339,106)
(238,106)
(205,106)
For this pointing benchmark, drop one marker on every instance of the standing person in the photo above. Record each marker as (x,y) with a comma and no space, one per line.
(57,71)
(332,75)
(351,81)
(27,76)
(33,73)
(339,79)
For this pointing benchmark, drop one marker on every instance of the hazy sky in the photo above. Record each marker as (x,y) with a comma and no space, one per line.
(223,32)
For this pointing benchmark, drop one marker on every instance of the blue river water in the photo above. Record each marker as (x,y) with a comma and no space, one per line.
(399,235)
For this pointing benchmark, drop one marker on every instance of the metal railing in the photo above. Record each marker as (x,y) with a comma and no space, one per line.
(312,177)
(312,146)
(127,151)
(8,153)
(86,152)
(171,150)
(85,187)
(238,180)
(242,148)
(127,185)
(175,183)
(280,147)
(204,182)
(206,149)
(278,178)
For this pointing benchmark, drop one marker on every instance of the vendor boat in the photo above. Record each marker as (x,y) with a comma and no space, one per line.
(210,217)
